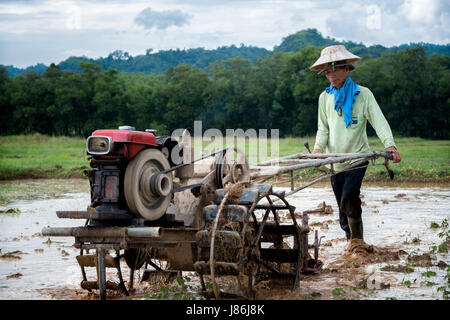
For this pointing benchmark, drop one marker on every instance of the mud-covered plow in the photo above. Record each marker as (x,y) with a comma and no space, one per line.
(158,210)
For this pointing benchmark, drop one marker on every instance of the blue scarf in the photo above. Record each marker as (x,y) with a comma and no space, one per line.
(345,98)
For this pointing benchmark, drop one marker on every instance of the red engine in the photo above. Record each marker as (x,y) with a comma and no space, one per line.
(124,142)
(125,179)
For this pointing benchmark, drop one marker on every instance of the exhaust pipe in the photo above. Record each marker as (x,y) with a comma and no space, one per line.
(104,232)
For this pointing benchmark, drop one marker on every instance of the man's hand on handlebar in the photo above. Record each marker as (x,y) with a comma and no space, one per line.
(395,154)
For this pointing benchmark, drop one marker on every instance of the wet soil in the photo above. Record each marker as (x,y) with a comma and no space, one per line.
(391,265)
(13,255)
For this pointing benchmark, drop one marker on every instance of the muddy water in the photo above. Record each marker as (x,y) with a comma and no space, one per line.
(396,223)
(37,263)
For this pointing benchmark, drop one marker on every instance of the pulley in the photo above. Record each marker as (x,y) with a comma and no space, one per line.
(147,189)
(231,167)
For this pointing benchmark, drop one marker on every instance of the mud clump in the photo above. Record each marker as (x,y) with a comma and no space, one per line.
(413,241)
(13,255)
(358,246)
(326,243)
(322,208)
(423,260)
(263,285)
(398,268)
(441,264)
(358,253)
(273,290)
(378,281)
(14,276)
(326,209)
(322,225)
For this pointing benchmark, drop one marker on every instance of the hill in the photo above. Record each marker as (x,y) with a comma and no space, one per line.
(159,62)
(13,71)
(312,37)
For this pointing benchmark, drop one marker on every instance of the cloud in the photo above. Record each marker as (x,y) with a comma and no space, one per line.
(420,11)
(49,31)
(161,19)
(387,24)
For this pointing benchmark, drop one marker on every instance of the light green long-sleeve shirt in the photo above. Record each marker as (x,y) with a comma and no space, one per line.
(332,135)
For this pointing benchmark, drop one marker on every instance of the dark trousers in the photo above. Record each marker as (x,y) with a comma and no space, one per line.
(346,188)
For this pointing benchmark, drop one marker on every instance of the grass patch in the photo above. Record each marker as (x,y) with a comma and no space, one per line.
(406,283)
(11,211)
(338,291)
(40,156)
(423,160)
(176,291)
(428,274)
(434,225)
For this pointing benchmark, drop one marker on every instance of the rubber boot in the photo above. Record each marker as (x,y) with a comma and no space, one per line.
(356,228)
(348,235)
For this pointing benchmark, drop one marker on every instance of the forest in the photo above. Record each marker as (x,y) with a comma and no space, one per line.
(277,91)
(156,62)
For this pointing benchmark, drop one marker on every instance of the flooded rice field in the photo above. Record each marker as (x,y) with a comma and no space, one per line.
(406,226)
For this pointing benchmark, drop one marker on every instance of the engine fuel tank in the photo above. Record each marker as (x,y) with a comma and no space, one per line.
(128,136)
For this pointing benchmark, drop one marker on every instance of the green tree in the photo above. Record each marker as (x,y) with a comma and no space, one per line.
(145,102)
(87,119)
(264,81)
(69,108)
(232,93)
(51,78)
(30,97)
(373,74)
(305,86)
(187,92)
(6,125)
(412,93)
(108,98)
(439,66)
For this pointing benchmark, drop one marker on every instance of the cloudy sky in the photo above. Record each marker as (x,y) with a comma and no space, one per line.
(48,31)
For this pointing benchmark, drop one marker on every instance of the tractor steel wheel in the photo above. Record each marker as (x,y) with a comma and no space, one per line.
(143,201)
(257,261)
(279,259)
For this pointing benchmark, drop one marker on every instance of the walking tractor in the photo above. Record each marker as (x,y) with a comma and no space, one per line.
(160,210)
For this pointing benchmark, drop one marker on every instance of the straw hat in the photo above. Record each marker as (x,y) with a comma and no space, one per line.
(334,56)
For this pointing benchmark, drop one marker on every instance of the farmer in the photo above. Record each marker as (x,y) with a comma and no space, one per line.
(344,109)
